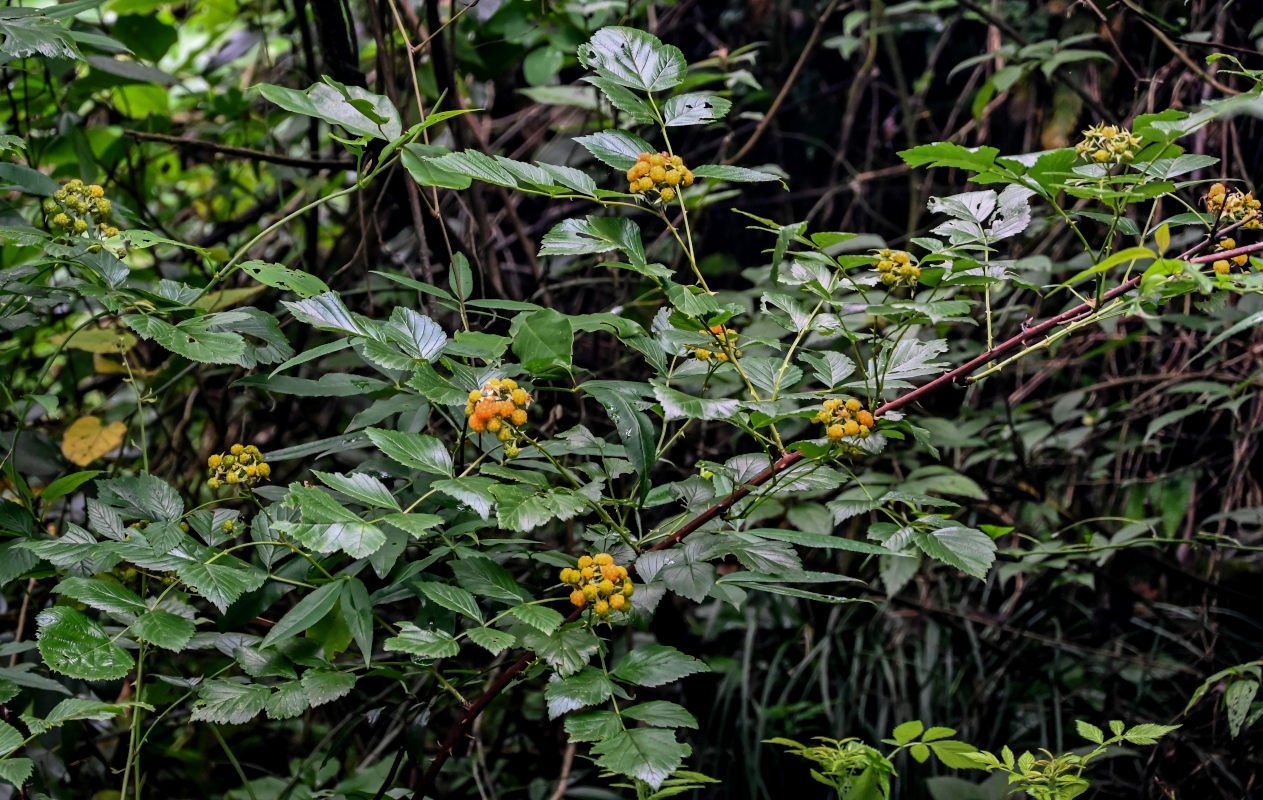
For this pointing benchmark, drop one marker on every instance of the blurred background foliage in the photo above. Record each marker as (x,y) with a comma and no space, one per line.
(1112,454)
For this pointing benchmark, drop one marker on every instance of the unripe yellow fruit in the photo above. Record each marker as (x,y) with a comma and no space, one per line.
(601,608)
(590,593)
(585,561)
(602,559)
(606,588)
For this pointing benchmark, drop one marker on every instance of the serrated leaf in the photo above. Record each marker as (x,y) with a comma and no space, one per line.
(647,754)
(327,312)
(354,108)
(221,583)
(327,526)
(662,714)
(592,726)
(1147,733)
(492,640)
(544,342)
(656,665)
(541,618)
(325,685)
(678,405)
(486,578)
(474,492)
(1089,731)
(633,58)
(422,642)
(969,550)
(305,613)
(596,235)
(360,486)
(723,172)
(694,108)
(193,338)
(419,336)
(287,701)
(102,595)
(72,708)
(10,738)
(451,597)
(426,453)
(164,629)
(16,770)
(75,645)
(229,703)
(586,687)
(566,650)
(622,98)
(617,148)
(906,732)
(280,277)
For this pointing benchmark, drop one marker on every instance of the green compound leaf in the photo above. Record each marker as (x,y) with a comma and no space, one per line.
(647,754)
(75,645)
(587,687)
(229,702)
(422,642)
(164,629)
(656,665)
(426,453)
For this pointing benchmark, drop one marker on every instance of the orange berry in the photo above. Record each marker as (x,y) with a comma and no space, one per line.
(610,572)
(578,598)
(477,424)
(865,418)
(621,572)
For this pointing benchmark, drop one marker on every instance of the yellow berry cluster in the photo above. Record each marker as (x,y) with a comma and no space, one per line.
(70,207)
(1233,206)
(897,268)
(1108,144)
(600,583)
(845,418)
(658,172)
(1223,266)
(726,339)
(241,464)
(499,408)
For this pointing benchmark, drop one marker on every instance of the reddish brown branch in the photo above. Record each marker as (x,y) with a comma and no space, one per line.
(788,460)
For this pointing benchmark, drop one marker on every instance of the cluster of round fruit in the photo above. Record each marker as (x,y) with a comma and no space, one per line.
(1224,265)
(1107,144)
(897,268)
(660,172)
(726,339)
(240,465)
(600,583)
(1234,206)
(71,205)
(499,408)
(844,418)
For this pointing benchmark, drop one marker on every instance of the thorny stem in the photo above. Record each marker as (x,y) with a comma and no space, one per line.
(425,785)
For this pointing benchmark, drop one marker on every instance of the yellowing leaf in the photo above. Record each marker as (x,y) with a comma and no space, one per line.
(98,340)
(87,439)
(108,366)
(226,298)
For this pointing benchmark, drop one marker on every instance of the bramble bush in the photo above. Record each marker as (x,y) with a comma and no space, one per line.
(498,518)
